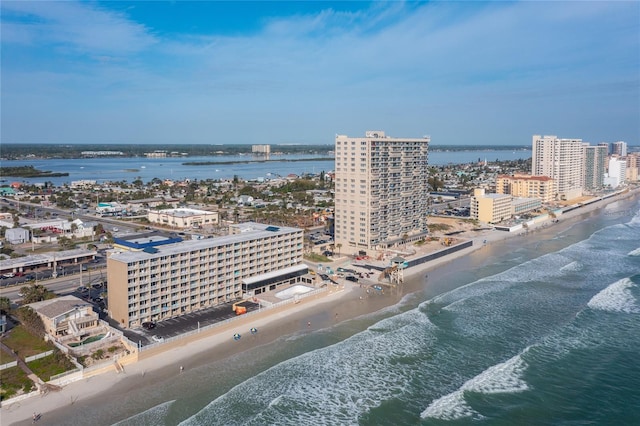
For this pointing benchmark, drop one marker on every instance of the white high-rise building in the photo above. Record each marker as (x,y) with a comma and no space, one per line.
(617,172)
(381,191)
(561,160)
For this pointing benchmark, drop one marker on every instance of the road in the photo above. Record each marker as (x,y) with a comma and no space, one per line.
(61,285)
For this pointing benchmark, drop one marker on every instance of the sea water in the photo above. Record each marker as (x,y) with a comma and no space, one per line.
(546,334)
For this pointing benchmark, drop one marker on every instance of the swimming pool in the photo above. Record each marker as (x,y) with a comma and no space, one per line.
(293,291)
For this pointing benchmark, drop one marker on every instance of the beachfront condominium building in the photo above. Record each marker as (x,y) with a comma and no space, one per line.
(521,185)
(490,208)
(633,163)
(617,172)
(561,160)
(619,148)
(595,166)
(381,191)
(606,145)
(157,278)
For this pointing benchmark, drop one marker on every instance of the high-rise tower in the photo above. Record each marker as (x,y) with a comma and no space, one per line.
(561,160)
(595,165)
(381,191)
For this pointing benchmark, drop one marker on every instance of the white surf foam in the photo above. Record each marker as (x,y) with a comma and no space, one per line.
(617,297)
(152,416)
(505,377)
(572,267)
(330,383)
(635,252)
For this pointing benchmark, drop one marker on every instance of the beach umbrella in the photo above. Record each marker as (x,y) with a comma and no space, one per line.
(236,336)
(254,330)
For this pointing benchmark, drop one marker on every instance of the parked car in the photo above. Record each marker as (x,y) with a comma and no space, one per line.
(158,339)
(8,275)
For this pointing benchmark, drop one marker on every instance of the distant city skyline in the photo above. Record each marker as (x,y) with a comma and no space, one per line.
(464,73)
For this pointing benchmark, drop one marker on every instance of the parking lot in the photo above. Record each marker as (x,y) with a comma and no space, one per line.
(188,322)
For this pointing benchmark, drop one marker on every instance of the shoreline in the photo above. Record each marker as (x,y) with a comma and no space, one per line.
(272,325)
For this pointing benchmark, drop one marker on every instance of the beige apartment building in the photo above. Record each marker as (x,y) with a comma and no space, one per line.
(160,279)
(561,160)
(261,149)
(490,208)
(381,191)
(633,166)
(495,208)
(183,217)
(521,185)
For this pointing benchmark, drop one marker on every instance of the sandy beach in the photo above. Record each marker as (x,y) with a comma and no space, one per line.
(313,313)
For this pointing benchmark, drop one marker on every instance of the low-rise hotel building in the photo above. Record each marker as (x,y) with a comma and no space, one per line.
(490,208)
(153,279)
(495,208)
(522,205)
(183,217)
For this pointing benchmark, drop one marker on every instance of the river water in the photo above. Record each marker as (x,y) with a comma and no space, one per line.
(146,169)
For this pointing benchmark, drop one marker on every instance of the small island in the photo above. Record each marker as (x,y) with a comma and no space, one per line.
(283,160)
(28,172)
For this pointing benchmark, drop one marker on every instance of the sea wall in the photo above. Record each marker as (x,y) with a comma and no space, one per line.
(433,256)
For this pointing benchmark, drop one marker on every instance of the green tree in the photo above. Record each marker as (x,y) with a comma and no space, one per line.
(5,305)
(66,243)
(30,320)
(435,183)
(35,293)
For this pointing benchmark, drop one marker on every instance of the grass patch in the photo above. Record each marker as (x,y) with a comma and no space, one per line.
(438,227)
(51,365)
(317,258)
(11,381)
(24,343)
(5,357)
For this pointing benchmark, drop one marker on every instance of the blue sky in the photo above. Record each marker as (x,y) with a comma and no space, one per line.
(300,72)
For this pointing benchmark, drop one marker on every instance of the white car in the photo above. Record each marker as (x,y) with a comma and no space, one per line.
(158,339)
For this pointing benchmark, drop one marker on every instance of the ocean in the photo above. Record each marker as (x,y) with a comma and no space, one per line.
(528,331)
(129,169)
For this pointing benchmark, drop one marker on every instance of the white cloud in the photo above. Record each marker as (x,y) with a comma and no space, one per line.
(79,27)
